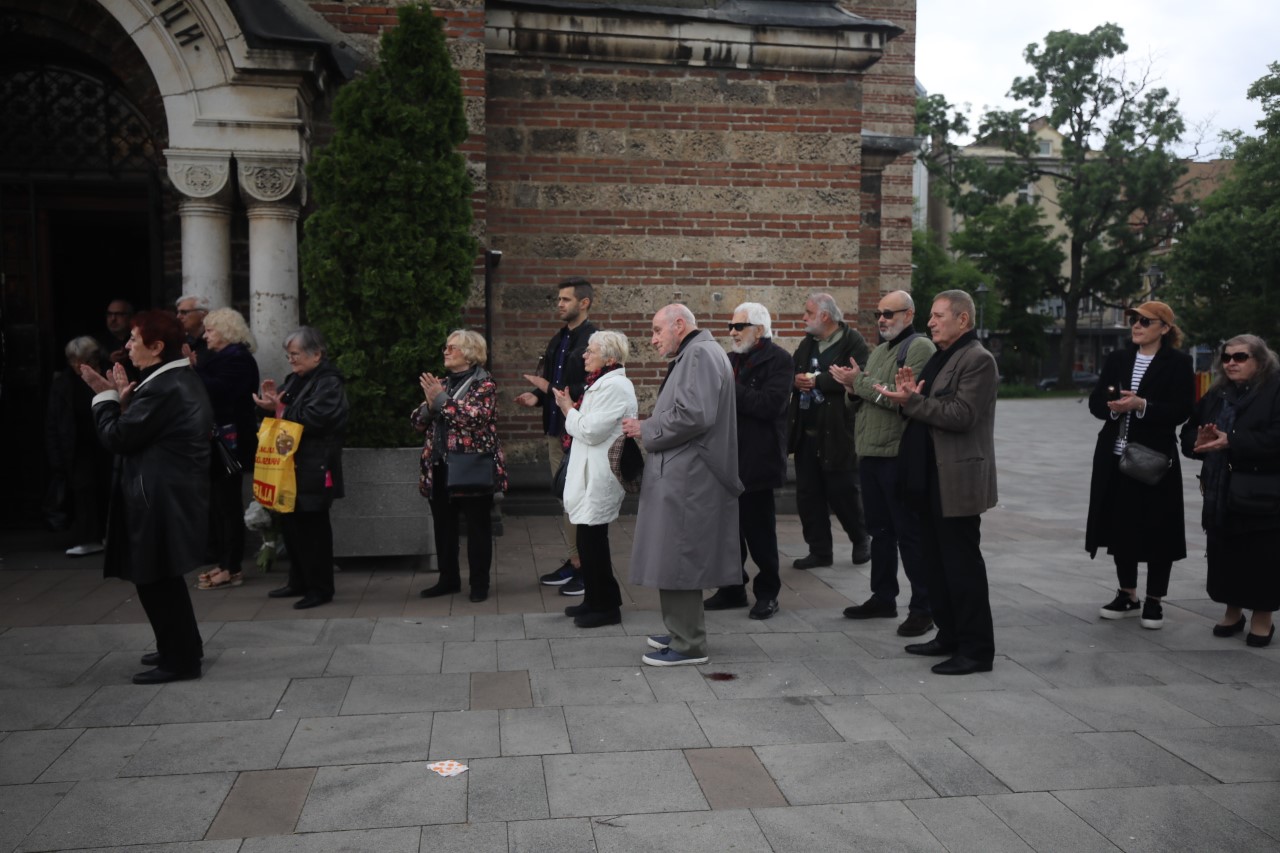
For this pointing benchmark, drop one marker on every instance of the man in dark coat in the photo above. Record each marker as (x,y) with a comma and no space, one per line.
(762,382)
(820,428)
(112,339)
(561,366)
(191,311)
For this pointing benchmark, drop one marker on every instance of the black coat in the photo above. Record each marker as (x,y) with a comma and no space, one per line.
(575,370)
(763,385)
(835,419)
(230,375)
(318,402)
(1131,519)
(158,522)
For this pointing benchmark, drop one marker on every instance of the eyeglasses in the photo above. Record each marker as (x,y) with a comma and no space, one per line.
(1237,357)
(294,356)
(887,315)
(738,327)
(182,312)
(1144,322)
(449,348)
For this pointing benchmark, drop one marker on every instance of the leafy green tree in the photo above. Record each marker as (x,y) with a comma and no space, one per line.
(388,255)
(1225,269)
(933,270)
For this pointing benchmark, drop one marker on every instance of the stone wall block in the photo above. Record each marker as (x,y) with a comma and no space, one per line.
(583,88)
(609,143)
(695,90)
(758,147)
(745,93)
(640,91)
(793,95)
(702,146)
(505,140)
(515,87)
(544,141)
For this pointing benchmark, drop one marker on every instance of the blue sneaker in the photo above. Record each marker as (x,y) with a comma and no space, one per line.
(659,641)
(669,657)
(559,577)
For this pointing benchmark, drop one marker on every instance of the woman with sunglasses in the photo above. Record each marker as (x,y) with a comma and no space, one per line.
(1143,393)
(1235,430)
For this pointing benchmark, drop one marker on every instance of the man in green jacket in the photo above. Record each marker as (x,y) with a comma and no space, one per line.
(893,525)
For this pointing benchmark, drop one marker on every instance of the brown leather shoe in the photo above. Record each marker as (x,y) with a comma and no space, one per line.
(915,625)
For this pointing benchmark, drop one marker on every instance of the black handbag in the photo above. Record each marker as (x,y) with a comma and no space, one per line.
(469,474)
(1141,462)
(1253,492)
(558,478)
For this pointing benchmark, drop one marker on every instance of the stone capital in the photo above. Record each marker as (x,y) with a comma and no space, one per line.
(200,174)
(270,178)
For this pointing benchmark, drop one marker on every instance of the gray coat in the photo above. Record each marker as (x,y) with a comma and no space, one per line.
(687,527)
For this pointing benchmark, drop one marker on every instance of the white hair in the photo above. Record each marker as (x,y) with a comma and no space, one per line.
(826,303)
(676,311)
(907,302)
(612,346)
(757,315)
(201,302)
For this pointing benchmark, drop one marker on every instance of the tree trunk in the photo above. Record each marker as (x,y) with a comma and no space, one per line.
(1070,318)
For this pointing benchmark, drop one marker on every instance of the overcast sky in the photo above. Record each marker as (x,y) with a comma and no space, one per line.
(1206,54)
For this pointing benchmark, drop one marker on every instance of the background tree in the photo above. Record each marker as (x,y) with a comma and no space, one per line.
(933,270)
(388,254)
(1225,269)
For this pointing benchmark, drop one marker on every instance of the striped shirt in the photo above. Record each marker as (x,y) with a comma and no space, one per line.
(1140,365)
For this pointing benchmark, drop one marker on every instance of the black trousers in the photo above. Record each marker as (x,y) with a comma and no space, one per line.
(309,538)
(894,527)
(167,604)
(1158,572)
(758,536)
(600,593)
(819,493)
(226,521)
(956,576)
(447,513)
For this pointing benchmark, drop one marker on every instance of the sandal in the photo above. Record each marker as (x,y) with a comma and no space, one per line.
(219,578)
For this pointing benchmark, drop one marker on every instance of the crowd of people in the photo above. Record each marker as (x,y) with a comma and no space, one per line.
(897,441)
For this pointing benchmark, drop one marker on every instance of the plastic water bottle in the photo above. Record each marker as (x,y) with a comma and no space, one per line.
(818,396)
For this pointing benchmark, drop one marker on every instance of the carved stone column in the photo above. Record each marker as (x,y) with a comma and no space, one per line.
(271,186)
(205,210)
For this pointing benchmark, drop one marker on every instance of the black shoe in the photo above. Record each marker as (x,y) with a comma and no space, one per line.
(1218,630)
(164,676)
(812,561)
(960,665)
(872,608)
(285,591)
(862,553)
(764,609)
(1258,641)
(574,587)
(440,589)
(1120,607)
(311,601)
(153,658)
(576,609)
(479,595)
(915,625)
(598,618)
(726,599)
(1152,615)
(933,649)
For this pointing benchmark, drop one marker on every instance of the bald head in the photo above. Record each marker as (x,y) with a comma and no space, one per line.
(671,325)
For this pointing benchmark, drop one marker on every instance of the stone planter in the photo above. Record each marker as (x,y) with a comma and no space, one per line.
(382,515)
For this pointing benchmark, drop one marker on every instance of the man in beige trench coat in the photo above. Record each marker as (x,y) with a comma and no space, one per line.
(686,537)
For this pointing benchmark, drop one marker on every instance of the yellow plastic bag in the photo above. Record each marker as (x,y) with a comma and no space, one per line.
(275,485)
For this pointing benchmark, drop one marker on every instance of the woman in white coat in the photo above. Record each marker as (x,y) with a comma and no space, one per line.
(592,494)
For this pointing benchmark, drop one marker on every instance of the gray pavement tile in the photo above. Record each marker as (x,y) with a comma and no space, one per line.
(468,837)
(755,722)
(74,639)
(595,651)
(728,648)
(533,731)
(604,686)
(98,754)
(39,707)
(814,774)
(1228,754)
(678,684)
(470,657)
(312,697)
(915,716)
(500,789)
(465,735)
(763,680)
(267,802)
(911,674)
(113,705)
(369,796)
(563,835)
(1008,712)
(886,827)
(117,668)
(733,778)
(1253,801)
(25,755)
(845,677)
(320,741)
(728,622)
(24,806)
(59,669)
(499,626)
(424,629)
(345,632)
(966,825)
(211,747)
(545,626)
(1121,708)
(1223,704)
(1042,821)
(629,728)
(705,832)
(1166,818)
(285,632)
(815,646)
(107,812)
(1228,666)
(221,846)
(386,659)
(1086,670)
(243,664)
(642,623)
(401,694)
(616,783)
(1051,762)
(524,654)
(499,690)
(402,839)
(788,621)
(1073,640)
(947,768)
(208,701)
(855,718)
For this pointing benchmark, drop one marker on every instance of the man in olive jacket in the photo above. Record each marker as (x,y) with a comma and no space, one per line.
(820,434)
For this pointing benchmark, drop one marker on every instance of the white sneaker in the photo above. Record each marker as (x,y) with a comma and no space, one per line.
(85,549)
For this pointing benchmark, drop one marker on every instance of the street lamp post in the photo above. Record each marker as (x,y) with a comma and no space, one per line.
(982,290)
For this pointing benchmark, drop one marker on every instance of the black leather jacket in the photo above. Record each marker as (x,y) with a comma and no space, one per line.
(318,402)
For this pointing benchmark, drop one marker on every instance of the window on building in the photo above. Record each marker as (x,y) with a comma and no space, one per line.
(1046,147)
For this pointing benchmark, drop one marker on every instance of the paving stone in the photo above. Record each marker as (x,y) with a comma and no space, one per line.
(1253,801)
(678,684)
(947,768)
(376,795)
(812,774)
(499,626)
(542,626)
(45,670)
(563,835)
(403,839)
(263,803)
(403,694)
(207,701)
(1162,819)
(25,755)
(112,705)
(733,778)
(74,639)
(107,812)
(845,678)
(239,635)
(386,659)
(621,783)
(24,806)
(1227,754)
(506,789)
(966,825)
(854,718)
(211,747)
(1228,666)
(312,697)
(345,632)
(1121,709)
(1087,670)
(888,826)
(98,754)
(706,832)
(1223,704)
(358,740)
(1008,712)
(499,690)
(755,722)
(468,837)
(524,654)
(533,731)
(396,629)
(605,686)
(627,728)
(910,674)
(594,651)
(465,735)
(764,680)
(915,716)
(1042,821)
(470,657)
(244,664)
(826,646)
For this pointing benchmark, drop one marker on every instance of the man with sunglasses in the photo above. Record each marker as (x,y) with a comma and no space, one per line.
(877,436)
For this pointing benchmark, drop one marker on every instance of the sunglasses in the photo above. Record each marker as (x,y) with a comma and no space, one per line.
(738,327)
(1144,322)
(1237,357)
(887,315)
